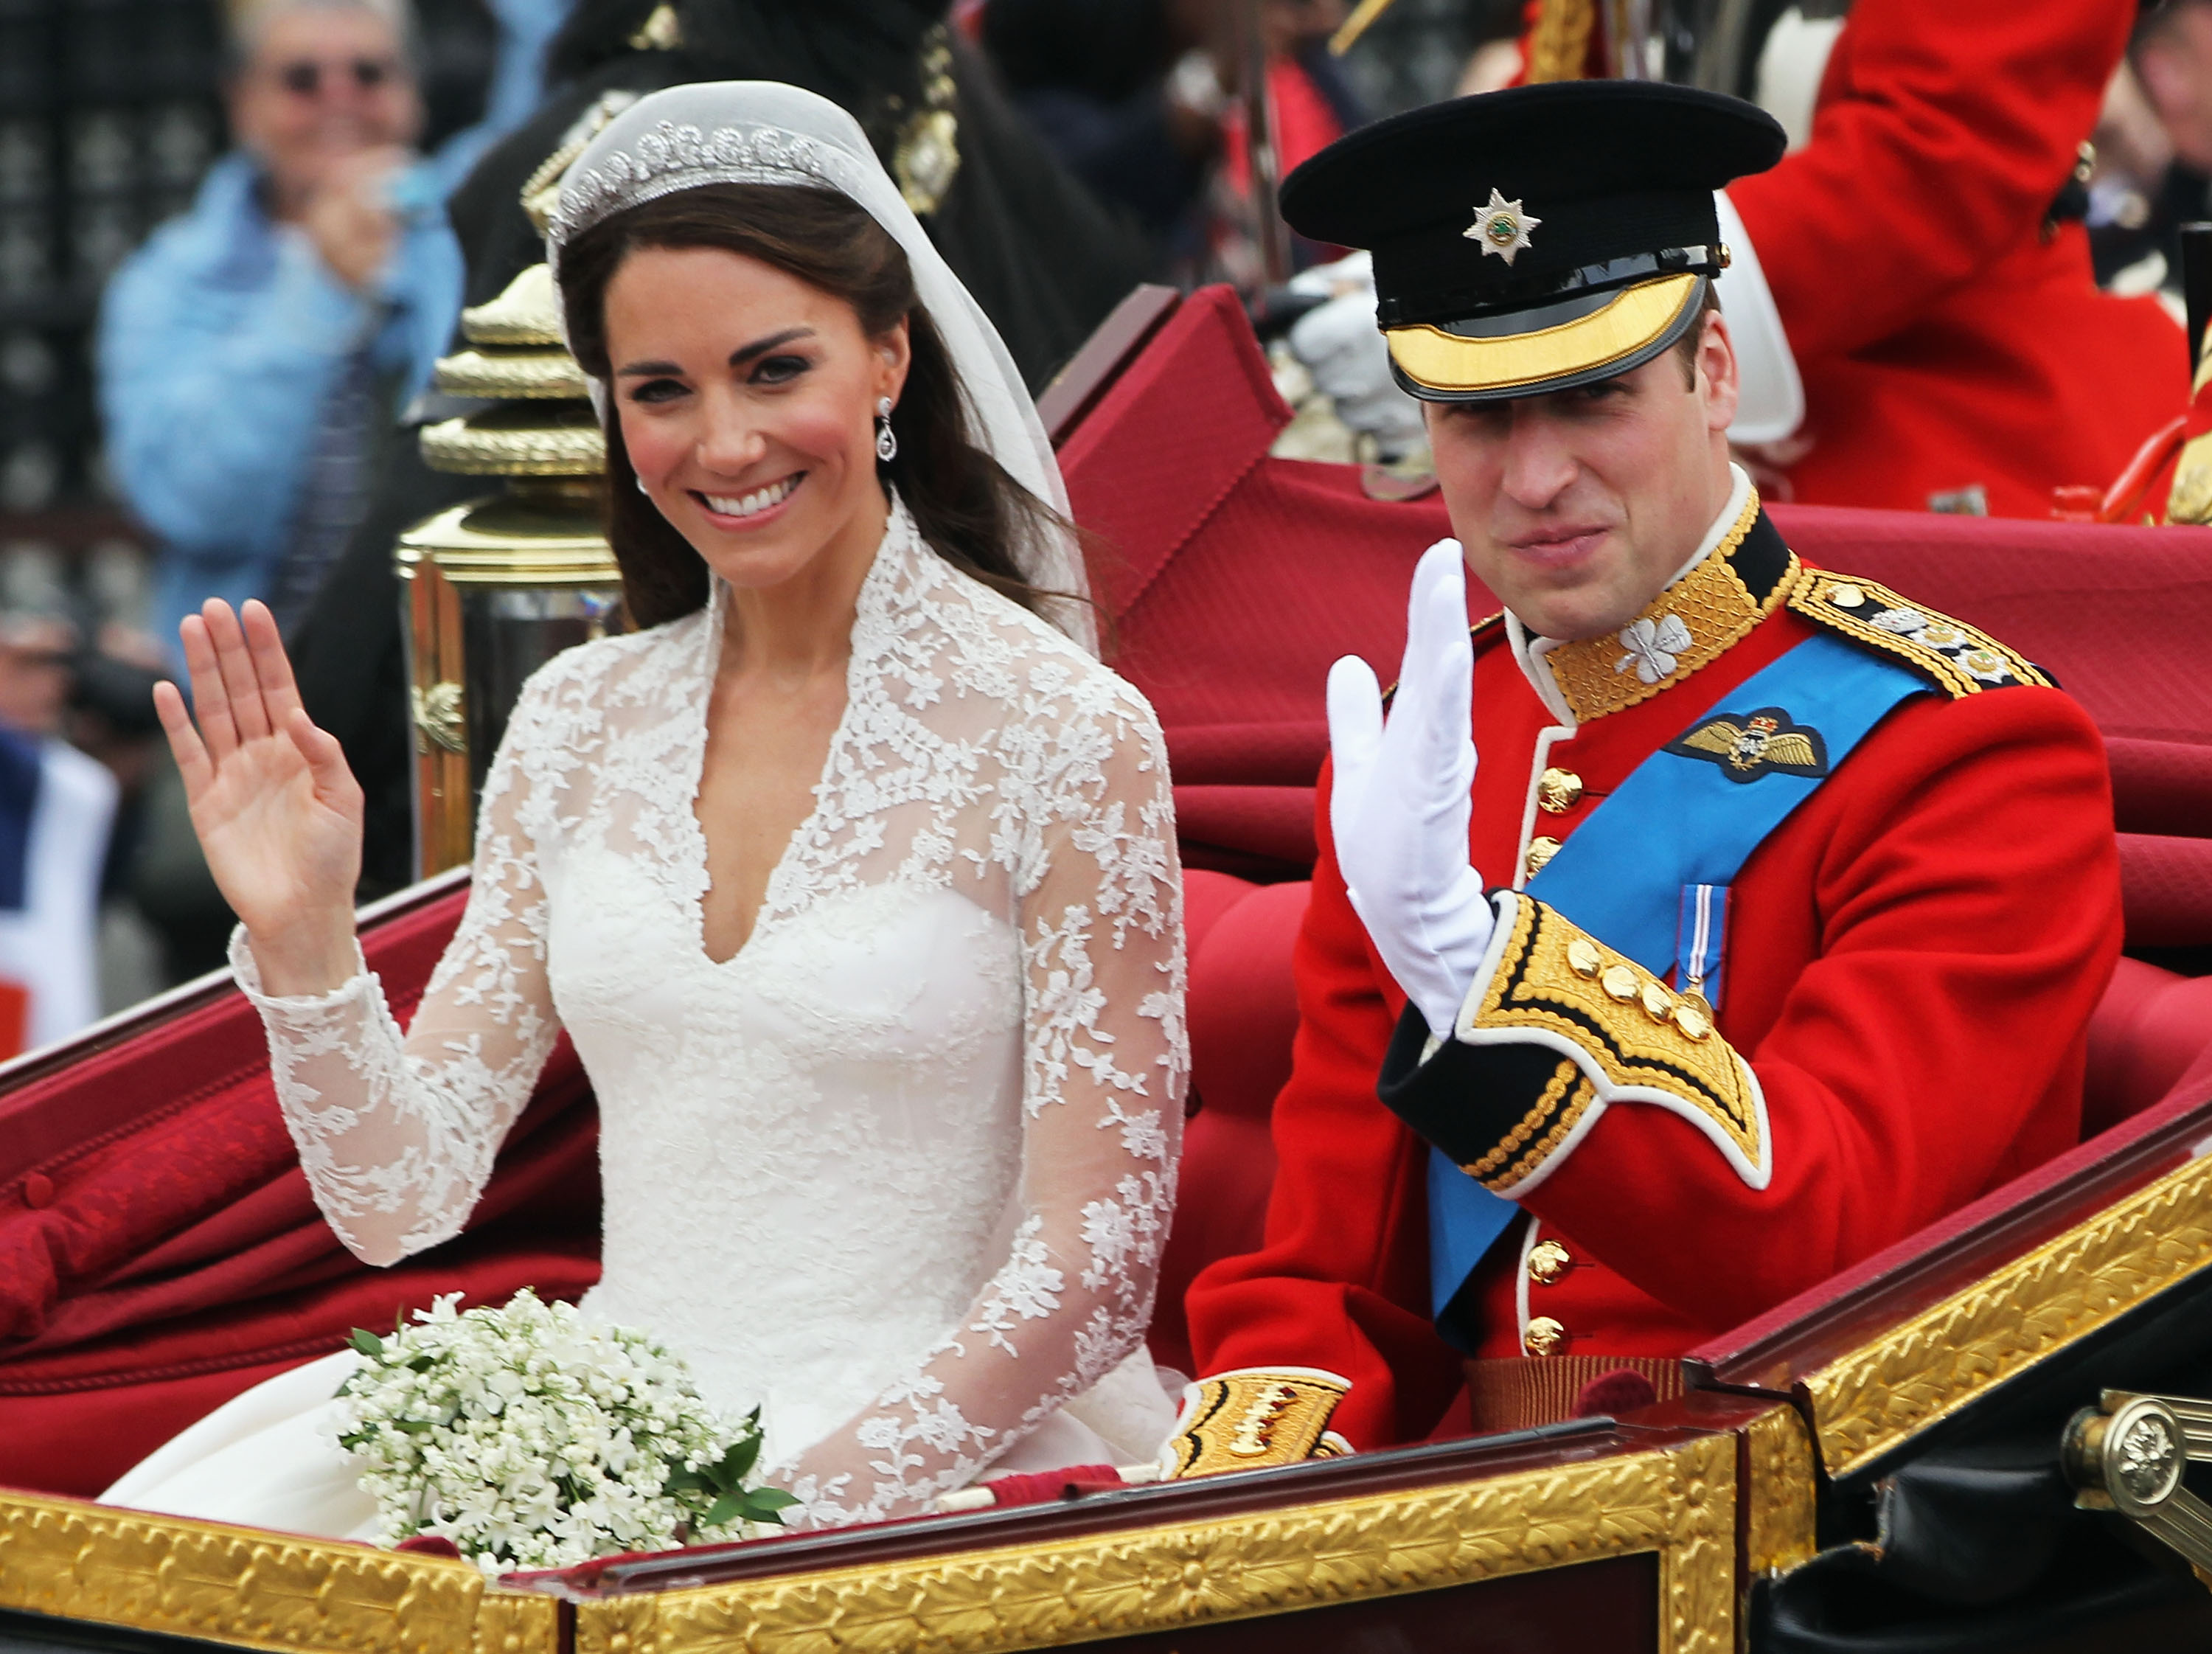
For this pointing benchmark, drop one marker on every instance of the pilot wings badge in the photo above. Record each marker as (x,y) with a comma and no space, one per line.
(1767,742)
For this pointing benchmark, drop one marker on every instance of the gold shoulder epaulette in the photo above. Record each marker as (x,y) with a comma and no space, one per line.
(1958,659)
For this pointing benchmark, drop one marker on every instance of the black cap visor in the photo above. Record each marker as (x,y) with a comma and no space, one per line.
(1579,340)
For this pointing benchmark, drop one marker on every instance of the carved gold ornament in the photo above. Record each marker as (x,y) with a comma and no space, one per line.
(527,312)
(1923,1371)
(555,447)
(495,373)
(1778,1494)
(265,1591)
(439,720)
(1678,1502)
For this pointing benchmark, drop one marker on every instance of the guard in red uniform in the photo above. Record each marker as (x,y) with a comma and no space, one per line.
(1765,929)
(1955,351)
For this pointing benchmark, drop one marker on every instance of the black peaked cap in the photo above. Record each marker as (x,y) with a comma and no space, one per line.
(1609,170)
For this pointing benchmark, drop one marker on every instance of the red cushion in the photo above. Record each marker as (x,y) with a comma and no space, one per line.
(1243,1014)
(1206,897)
(1243,1005)
(2151,1028)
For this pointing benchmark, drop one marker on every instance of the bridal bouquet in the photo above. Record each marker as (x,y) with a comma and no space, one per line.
(531,1437)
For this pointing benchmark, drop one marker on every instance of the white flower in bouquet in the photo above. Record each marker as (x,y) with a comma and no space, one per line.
(533,1438)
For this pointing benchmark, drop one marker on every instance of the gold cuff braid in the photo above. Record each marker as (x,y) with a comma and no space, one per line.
(1254,1417)
(1632,1035)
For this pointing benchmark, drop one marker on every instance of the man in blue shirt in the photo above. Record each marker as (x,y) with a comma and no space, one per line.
(251,352)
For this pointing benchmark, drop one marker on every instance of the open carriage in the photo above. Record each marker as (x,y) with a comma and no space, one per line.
(1876,1464)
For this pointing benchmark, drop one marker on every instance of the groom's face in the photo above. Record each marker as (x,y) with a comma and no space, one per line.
(1576,507)
(747,400)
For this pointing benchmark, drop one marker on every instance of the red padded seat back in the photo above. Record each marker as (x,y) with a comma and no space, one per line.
(1243,1014)
(2150,1028)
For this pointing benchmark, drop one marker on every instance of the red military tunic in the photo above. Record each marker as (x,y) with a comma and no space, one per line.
(1948,340)
(1911,960)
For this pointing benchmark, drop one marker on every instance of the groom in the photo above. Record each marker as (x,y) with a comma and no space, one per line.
(1753,920)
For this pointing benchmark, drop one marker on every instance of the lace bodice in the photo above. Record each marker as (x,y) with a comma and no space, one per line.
(899,1171)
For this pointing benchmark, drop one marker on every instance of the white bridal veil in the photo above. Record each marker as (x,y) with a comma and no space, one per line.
(765,132)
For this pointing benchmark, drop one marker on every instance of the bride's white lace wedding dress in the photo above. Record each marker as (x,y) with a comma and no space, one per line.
(900,1170)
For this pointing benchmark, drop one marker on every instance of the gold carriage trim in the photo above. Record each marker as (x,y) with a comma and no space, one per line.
(1678,1503)
(1958,659)
(266,1590)
(1637,316)
(1701,615)
(1253,1417)
(1629,1032)
(1873,1400)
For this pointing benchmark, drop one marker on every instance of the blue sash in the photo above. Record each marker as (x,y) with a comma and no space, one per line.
(1649,861)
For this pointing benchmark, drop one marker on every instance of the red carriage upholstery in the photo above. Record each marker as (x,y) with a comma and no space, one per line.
(158,1249)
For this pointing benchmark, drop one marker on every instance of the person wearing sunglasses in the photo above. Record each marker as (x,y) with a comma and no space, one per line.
(252,352)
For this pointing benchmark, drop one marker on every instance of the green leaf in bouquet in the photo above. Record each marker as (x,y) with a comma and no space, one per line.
(731,1469)
(728,1508)
(768,1505)
(366,1342)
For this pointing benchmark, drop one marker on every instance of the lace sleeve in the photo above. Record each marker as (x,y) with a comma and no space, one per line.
(397,1138)
(1106,1067)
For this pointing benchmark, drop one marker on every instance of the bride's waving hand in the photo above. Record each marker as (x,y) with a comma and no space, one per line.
(276,811)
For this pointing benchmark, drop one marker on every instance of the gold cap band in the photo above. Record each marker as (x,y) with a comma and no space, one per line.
(1635,320)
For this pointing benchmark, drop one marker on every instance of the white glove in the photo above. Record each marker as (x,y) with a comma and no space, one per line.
(1400,803)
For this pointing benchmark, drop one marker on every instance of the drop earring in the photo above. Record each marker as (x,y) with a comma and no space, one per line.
(640,481)
(886,438)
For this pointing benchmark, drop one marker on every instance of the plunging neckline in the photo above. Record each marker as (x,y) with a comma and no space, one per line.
(716,623)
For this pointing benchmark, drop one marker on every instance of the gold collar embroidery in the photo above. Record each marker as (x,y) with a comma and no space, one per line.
(1689,625)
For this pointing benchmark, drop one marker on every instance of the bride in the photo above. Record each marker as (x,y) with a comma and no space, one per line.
(851,874)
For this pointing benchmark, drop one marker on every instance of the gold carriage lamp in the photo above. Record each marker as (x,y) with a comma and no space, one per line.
(492,590)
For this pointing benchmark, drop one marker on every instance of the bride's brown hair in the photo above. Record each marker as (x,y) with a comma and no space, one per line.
(971,512)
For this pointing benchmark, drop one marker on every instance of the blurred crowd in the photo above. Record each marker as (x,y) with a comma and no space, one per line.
(263,357)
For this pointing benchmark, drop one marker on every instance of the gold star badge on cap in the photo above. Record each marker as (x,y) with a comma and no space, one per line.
(1501,227)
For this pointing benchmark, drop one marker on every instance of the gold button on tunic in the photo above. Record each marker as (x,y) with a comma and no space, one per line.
(1545,1337)
(1547,1261)
(1559,791)
(1540,850)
